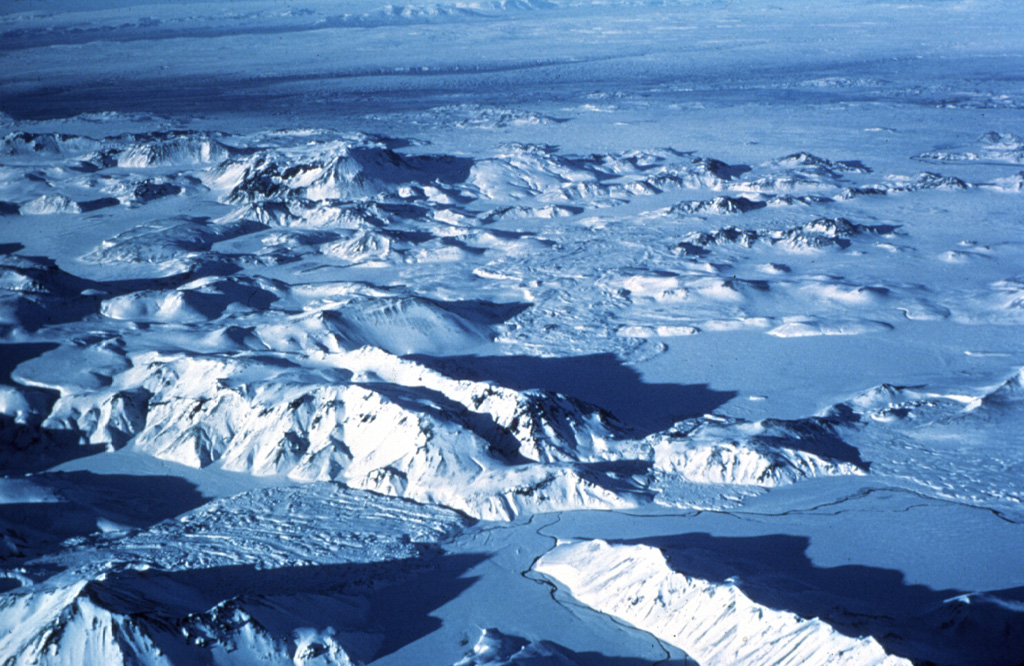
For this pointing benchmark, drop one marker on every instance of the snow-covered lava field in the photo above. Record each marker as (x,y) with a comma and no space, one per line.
(511,332)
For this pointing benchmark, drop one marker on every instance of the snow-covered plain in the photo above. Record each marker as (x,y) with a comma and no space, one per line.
(608,332)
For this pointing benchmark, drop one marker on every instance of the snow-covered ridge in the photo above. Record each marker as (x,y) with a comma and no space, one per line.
(993,147)
(289,589)
(766,453)
(355,168)
(375,421)
(358,167)
(306,198)
(814,235)
(152,149)
(715,623)
(940,422)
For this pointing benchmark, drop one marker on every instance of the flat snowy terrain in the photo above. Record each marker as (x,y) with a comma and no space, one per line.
(511,332)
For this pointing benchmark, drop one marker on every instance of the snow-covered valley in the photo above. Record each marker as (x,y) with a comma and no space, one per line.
(513,332)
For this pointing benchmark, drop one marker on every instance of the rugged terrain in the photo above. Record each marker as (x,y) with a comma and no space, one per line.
(610,333)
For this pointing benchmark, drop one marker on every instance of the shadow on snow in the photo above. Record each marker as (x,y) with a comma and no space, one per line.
(85,500)
(392,598)
(601,380)
(909,620)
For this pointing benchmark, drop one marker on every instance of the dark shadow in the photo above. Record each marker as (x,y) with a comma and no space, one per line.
(395,212)
(482,312)
(397,168)
(500,441)
(8,208)
(213,305)
(616,476)
(731,171)
(46,271)
(442,574)
(814,435)
(563,655)
(85,167)
(412,237)
(148,190)
(719,168)
(133,500)
(598,379)
(906,619)
(27,448)
(856,165)
(851,192)
(97,204)
(207,268)
(462,245)
(403,609)
(779,574)
(718,205)
(884,229)
(745,205)
(619,468)
(598,659)
(86,498)
(688,249)
(11,248)
(66,302)
(36,313)
(14,354)
(448,169)
(401,594)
